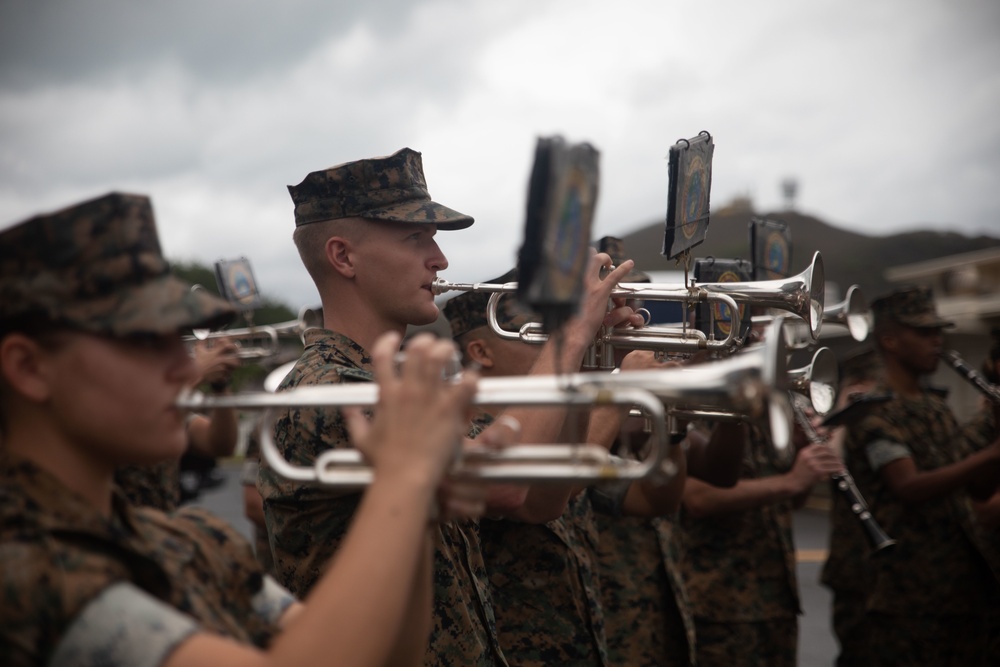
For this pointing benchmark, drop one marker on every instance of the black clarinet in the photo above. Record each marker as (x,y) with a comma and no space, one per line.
(844,483)
(991,391)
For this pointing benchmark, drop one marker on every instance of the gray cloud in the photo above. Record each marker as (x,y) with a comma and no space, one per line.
(885,112)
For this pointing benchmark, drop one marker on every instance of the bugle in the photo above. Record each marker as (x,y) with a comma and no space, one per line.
(853,312)
(970,374)
(844,483)
(818,381)
(261,342)
(772,413)
(345,468)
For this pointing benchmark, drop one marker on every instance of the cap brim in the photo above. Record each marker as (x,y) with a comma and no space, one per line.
(421,212)
(160,306)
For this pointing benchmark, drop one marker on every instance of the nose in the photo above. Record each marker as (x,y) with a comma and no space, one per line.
(437,261)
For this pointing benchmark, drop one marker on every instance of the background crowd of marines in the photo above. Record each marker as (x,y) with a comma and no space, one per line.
(698,569)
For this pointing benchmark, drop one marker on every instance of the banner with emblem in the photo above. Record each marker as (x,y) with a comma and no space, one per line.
(770,248)
(690,184)
(562,196)
(237,284)
(715,318)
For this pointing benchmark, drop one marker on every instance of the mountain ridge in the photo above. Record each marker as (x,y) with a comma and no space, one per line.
(849,257)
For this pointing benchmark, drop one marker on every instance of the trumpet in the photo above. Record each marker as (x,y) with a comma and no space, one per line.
(818,381)
(853,312)
(801,295)
(770,413)
(741,384)
(261,342)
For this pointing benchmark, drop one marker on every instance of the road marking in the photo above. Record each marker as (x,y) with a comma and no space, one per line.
(810,555)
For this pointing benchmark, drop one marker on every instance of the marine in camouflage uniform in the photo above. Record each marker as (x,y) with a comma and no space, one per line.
(83,587)
(739,569)
(648,619)
(930,594)
(305,525)
(546,593)
(846,571)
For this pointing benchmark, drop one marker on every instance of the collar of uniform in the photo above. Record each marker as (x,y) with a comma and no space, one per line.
(28,490)
(336,348)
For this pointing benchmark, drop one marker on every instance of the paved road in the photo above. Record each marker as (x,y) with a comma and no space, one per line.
(817,646)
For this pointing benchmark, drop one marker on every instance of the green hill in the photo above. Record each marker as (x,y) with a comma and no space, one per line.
(849,258)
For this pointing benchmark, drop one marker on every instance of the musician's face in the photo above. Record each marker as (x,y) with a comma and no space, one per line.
(920,349)
(399,262)
(114,397)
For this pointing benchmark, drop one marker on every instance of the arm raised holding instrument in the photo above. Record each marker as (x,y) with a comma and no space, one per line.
(374,603)
(90,381)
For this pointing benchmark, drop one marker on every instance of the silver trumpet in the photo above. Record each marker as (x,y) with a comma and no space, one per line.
(853,312)
(261,342)
(801,295)
(345,468)
(742,383)
(772,415)
(818,381)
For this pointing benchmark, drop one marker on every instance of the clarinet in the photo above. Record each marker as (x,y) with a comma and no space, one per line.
(991,391)
(844,483)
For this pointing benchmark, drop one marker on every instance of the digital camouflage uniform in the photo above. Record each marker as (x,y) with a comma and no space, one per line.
(81,588)
(157,486)
(60,555)
(544,581)
(930,593)
(739,569)
(305,524)
(647,614)
(546,594)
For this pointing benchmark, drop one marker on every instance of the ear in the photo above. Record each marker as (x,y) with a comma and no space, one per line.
(338,253)
(24,367)
(480,352)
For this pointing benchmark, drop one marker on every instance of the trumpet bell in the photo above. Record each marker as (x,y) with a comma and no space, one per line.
(853,312)
(818,381)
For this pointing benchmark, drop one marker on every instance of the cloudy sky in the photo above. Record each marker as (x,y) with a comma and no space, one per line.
(886,112)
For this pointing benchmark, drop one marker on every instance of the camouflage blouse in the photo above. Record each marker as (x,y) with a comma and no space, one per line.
(305,524)
(740,566)
(77,584)
(939,565)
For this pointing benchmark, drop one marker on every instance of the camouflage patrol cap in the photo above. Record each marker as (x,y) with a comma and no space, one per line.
(383,188)
(615,247)
(467,311)
(97,266)
(912,307)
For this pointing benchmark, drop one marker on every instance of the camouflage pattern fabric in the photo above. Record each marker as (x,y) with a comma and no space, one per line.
(306,523)
(771,643)
(157,486)
(544,585)
(545,590)
(648,619)
(929,641)
(97,266)
(58,554)
(389,188)
(739,567)
(938,566)
(912,307)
